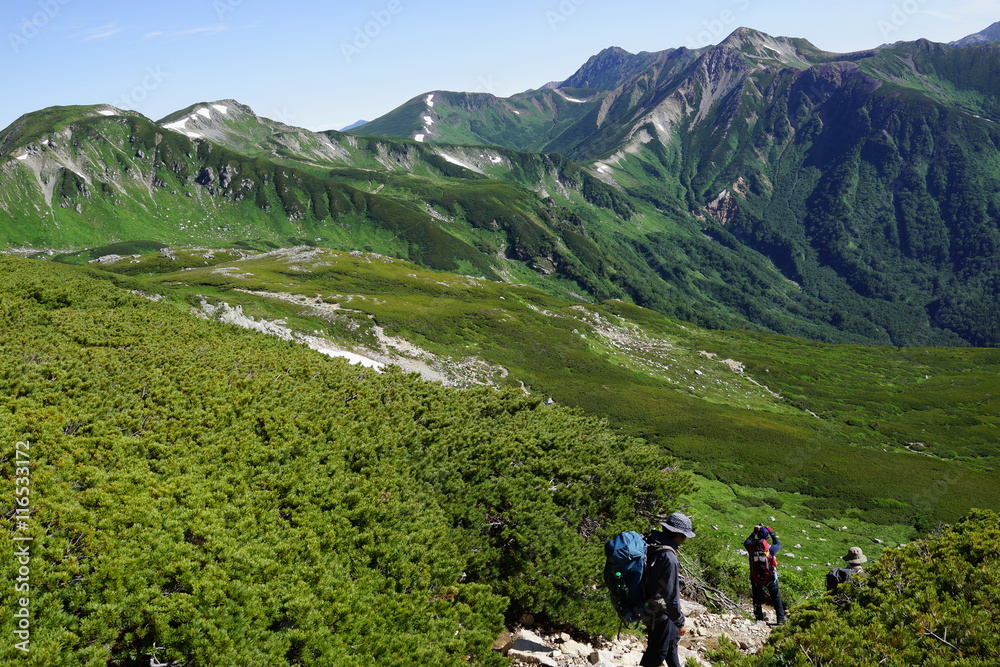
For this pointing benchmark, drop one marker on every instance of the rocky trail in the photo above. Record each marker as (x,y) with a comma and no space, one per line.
(532,646)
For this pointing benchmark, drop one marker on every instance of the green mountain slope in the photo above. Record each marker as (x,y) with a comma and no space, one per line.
(198,493)
(112,178)
(829,422)
(867,179)
(525,121)
(759,184)
(102,177)
(612,67)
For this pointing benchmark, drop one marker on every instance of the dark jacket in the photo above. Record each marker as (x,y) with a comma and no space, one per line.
(839,575)
(663,581)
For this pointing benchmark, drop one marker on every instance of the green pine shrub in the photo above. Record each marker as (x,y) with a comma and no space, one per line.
(210,496)
(932,602)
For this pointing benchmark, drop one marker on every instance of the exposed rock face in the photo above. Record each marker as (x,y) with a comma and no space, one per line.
(705,629)
(723,208)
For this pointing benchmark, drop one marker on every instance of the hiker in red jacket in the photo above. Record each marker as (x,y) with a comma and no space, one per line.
(762,546)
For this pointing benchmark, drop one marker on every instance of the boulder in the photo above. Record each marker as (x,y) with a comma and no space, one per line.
(532,658)
(597,657)
(574,648)
(693,609)
(528,642)
(504,642)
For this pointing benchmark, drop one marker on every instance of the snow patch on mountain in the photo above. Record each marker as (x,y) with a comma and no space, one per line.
(570,99)
(427,118)
(203,122)
(461,163)
(181,127)
(223,312)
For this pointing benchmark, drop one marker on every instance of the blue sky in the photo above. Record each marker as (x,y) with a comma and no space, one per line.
(322,65)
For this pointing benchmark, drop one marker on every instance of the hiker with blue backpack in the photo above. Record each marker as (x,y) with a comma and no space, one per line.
(642,576)
(665,624)
(762,546)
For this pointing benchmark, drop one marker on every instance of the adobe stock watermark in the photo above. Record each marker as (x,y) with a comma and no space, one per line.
(22,546)
(283,116)
(487,85)
(364,35)
(223,7)
(931,494)
(562,12)
(133,99)
(900,16)
(798,457)
(32,25)
(717,28)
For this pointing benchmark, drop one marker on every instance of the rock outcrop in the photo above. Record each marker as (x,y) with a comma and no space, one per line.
(534,647)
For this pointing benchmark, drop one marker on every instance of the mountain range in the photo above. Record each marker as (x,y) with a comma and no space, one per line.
(760,183)
(195,490)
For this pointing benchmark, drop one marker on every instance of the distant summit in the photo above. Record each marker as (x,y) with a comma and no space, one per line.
(612,67)
(357,123)
(990,34)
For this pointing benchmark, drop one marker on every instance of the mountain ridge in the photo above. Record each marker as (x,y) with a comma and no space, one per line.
(989,34)
(708,184)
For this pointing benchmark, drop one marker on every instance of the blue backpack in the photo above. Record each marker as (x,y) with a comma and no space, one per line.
(624,565)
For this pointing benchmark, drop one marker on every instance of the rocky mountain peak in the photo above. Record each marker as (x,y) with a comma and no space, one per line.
(206,119)
(611,67)
(760,48)
(990,34)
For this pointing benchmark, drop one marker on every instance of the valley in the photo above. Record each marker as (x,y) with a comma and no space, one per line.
(820,421)
(436,360)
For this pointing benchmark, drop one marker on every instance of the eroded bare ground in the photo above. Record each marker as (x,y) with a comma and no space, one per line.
(452,372)
(699,374)
(696,373)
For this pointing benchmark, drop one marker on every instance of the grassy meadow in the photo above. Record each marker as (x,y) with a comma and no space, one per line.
(887,438)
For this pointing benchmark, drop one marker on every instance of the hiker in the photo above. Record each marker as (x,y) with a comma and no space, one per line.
(838,575)
(665,624)
(763,546)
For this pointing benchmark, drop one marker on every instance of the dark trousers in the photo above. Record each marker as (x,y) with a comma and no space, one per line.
(758,599)
(662,644)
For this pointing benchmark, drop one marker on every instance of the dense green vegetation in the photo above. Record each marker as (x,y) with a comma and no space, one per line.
(410,511)
(199,491)
(527,121)
(869,180)
(830,423)
(933,602)
(857,195)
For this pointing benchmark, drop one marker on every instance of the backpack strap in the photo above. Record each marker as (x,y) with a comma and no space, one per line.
(652,551)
